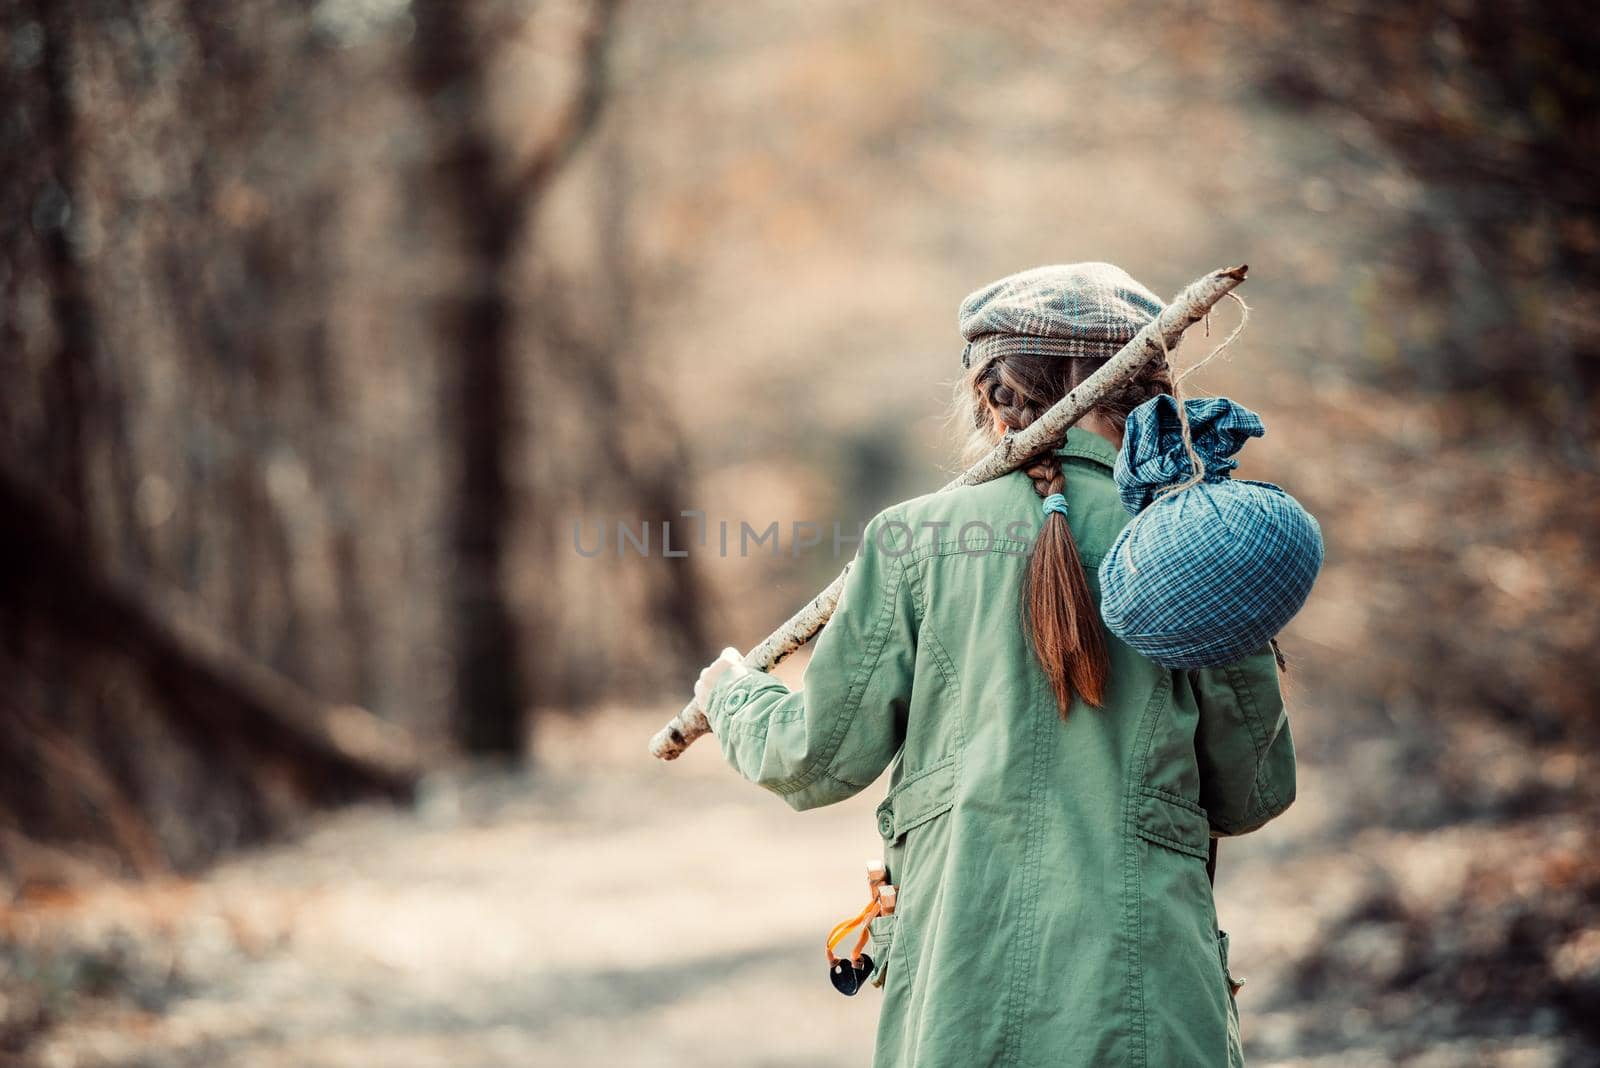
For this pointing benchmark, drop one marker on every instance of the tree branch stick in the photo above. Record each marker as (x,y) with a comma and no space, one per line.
(1014,450)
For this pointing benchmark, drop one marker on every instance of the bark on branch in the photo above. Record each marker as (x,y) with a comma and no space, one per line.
(1014,450)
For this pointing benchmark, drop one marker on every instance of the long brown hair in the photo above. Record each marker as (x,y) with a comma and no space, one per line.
(1058,610)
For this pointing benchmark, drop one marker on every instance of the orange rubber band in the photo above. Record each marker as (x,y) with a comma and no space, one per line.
(861,943)
(836,935)
(861,920)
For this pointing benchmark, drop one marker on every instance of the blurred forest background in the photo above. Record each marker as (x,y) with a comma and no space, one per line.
(324,321)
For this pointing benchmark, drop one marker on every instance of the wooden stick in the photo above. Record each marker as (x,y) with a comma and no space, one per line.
(877,874)
(886,899)
(1014,450)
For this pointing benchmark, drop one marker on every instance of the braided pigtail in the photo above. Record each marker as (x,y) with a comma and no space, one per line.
(1060,614)
(1059,611)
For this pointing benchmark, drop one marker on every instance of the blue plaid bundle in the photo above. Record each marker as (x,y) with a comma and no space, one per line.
(1204,575)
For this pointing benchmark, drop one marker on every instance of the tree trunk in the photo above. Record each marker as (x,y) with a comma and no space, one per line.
(473,324)
(486,204)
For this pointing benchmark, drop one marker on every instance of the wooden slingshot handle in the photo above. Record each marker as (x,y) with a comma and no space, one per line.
(1158,337)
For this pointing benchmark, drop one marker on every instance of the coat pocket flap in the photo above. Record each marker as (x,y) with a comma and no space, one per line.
(1171,821)
(929,793)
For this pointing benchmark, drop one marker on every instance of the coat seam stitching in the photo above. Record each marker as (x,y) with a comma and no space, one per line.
(858,786)
(955,548)
(937,649)
(1181,802)
(1170,843)
(946,799)
(1258,738)
(942,660)
(731,721)
(754,686)
(1010,1052)
(911,823)
(1133,904)
(877,642)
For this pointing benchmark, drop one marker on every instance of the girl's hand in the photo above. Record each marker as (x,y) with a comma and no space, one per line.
(729,660)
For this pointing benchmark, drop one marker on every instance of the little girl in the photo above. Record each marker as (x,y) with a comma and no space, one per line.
(1054,794)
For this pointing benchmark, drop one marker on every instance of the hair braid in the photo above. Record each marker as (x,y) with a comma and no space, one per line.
(1059,610)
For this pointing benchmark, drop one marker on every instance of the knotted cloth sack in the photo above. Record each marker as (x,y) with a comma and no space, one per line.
(1206,574)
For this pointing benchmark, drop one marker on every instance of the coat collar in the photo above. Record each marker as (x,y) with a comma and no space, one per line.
(1088,445)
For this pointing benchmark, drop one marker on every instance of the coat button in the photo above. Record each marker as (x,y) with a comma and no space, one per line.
(886,824)
(735,700)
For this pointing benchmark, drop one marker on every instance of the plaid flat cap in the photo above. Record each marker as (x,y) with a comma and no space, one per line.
(1071,309)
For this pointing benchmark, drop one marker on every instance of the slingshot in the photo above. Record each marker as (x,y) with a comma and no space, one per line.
(848,973)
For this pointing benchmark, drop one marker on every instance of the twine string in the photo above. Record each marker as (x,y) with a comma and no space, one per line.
(1244,318)
(1197,466)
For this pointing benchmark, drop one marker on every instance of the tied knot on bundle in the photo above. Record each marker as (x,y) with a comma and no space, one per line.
(1168,446)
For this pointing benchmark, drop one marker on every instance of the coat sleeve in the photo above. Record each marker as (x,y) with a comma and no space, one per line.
(830,739)
(1246,754)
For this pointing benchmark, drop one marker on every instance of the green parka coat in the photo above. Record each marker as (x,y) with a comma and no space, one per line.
(1053,906)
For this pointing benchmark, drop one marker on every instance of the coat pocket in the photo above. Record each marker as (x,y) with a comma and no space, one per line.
(921,797)
(1227,973)
(1235,1046)
(916,839)
(1171,821)
(880,942)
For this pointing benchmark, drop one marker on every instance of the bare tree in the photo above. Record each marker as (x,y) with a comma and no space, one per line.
(488,204)
(135,721)
(243,496)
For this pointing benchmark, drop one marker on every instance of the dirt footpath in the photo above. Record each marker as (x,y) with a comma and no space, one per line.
(611,911)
